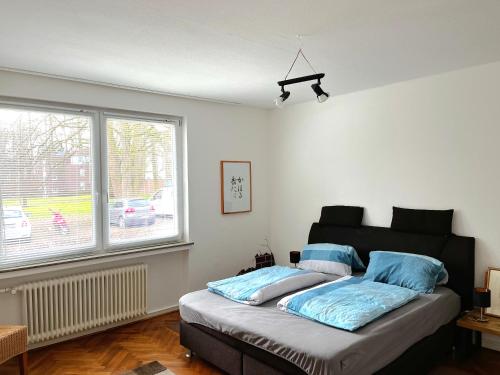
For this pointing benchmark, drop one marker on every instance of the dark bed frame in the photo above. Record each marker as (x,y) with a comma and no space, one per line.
(236,357)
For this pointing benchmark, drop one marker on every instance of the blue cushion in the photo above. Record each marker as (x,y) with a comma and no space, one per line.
(330,258)
(417,272)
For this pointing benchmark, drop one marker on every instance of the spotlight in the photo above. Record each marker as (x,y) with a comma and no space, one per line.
(280,100)
(321,95)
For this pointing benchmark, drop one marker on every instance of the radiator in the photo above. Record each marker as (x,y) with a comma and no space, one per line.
(67,305)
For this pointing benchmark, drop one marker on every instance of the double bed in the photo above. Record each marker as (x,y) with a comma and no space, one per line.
(244,339)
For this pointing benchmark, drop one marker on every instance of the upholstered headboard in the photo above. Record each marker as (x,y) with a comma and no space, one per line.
(456,252)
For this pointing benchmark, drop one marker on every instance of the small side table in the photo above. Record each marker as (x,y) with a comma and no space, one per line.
(492,327)
(14,343)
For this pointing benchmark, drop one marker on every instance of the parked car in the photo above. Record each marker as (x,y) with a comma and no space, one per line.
(164,201)
(16,224)
(131,212)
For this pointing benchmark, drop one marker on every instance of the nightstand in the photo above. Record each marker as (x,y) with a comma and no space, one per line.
(468,326)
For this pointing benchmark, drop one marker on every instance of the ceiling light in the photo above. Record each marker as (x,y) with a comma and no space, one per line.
(280,100)
(320,94)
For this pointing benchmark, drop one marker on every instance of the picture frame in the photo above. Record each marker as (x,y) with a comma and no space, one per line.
(236,186)
(492,282)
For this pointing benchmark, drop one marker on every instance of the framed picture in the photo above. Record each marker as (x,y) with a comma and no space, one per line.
(493,284)
(236,186)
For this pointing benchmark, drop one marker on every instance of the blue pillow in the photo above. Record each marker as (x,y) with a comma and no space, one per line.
(417,272)
(330,258)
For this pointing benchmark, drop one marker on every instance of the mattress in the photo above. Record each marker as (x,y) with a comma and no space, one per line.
(316,348)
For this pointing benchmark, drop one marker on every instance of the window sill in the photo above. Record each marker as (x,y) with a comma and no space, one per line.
(88,260)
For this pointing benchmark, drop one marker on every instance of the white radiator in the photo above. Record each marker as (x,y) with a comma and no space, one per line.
(63,306)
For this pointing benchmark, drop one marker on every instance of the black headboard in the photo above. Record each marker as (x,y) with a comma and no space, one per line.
(456,252)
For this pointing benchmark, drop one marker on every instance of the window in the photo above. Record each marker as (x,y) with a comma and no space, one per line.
(141,162)
(56,164)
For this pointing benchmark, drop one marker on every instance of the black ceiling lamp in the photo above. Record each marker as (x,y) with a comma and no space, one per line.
(280,100)
(321,95)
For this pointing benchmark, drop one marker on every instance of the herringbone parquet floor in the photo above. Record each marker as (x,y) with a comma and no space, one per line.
(124,348)
(116,351)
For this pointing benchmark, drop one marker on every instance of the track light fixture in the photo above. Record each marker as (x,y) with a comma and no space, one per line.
(280,100)
(321,95)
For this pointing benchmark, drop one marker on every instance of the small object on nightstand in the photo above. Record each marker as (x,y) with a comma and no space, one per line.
(295,257)
(482,299)
(264,260)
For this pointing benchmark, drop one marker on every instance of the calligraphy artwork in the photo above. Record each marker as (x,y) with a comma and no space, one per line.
(236,186)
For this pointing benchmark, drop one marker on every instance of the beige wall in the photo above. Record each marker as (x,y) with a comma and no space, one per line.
(223,244)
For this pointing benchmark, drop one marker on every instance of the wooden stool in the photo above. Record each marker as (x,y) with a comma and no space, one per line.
(14,342)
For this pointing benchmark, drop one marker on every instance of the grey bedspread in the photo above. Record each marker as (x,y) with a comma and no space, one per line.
(316,348)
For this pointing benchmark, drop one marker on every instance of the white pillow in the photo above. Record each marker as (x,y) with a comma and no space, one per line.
(330,258)
(442,277)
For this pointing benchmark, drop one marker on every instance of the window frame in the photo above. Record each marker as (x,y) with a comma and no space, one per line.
(100,201)
(107,245)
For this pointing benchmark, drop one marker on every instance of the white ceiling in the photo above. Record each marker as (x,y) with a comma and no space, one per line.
(235,50)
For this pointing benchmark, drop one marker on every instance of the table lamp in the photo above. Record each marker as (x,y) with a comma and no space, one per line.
(482,299)
(295,257)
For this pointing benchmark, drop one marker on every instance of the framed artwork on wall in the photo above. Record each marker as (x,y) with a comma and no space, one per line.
(493,284)
(236,186)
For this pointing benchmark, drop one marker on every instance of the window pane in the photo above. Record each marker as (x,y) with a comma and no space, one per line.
(45,197)
(141,180)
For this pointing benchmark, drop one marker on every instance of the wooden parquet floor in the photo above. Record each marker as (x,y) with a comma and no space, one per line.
(116,351)
(157,339)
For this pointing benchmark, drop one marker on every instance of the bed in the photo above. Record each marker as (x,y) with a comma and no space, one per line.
(241,339)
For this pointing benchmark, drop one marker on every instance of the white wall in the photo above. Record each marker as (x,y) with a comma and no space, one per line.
(427,143)
(223,243)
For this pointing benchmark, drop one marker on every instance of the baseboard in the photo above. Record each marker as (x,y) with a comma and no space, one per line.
(161,311)
(491,342)
(149,315)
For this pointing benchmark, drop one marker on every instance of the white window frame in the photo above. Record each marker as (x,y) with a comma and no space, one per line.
(105,179)
(99,166)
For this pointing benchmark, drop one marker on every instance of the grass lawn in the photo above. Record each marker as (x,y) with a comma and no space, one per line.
(39,207)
